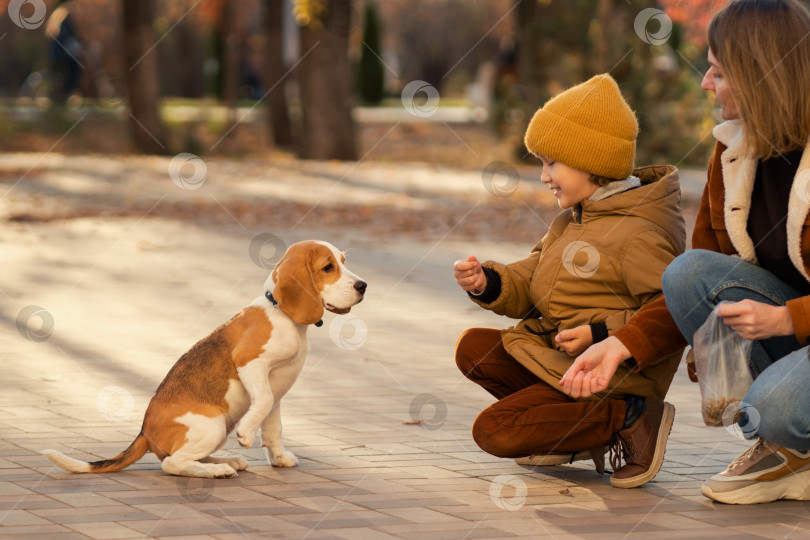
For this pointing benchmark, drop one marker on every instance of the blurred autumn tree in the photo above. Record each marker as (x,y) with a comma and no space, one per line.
(443,42)
(278,114)
(694,16)
(146,126)
(518,52)
(371,78)
(564,43)
(324,79)
(229,45)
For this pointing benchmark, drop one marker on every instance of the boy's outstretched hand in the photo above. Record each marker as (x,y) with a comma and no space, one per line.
(592,370)
(574,341)
(470,275)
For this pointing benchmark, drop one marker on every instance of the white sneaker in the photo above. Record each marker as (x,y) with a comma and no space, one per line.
(765,472)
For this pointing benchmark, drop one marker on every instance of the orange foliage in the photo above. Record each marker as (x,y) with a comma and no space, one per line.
(693,15)
(210,12)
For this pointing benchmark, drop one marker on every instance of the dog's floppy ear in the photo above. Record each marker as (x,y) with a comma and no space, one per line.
(295,289)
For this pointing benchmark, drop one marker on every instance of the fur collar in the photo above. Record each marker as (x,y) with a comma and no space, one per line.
(614,188)
(739,172)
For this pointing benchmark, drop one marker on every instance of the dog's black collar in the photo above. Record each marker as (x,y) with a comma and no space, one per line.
(269,296)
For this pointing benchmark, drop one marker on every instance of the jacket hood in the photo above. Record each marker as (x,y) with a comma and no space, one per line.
(656,200)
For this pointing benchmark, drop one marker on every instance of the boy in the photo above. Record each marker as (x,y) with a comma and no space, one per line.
(600,261)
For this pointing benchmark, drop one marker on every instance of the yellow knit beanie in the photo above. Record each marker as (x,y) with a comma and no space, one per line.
(589,127)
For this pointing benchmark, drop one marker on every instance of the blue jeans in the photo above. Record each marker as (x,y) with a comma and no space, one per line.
(777,406)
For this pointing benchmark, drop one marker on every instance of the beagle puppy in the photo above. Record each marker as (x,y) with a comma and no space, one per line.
(237,375)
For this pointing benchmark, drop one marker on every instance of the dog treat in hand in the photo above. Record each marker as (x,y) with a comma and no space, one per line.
(713,410)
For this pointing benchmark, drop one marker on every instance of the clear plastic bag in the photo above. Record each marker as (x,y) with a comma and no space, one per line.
(721,361)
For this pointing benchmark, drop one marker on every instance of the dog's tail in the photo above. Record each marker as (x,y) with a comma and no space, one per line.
(126,458)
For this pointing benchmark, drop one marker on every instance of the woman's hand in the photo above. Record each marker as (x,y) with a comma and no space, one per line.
(470,275)
(591,371)
(755,320)
(575,340)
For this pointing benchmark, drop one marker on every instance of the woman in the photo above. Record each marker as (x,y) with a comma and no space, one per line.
(751,247)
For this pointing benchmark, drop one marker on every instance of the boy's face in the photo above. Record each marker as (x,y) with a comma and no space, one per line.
(570,186)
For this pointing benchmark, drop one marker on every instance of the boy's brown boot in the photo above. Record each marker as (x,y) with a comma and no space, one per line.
(641,445)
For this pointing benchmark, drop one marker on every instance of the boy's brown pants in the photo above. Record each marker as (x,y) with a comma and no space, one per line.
(530,416)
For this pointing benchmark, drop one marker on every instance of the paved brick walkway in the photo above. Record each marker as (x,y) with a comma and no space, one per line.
(126,297)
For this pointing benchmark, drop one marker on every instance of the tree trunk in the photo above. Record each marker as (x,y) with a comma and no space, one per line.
(371,80)
(604,44)
(230,57)
(275,72)
(530,66)
(328,130)
(147,130)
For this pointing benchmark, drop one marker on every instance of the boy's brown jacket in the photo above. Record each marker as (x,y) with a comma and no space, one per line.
(599,263)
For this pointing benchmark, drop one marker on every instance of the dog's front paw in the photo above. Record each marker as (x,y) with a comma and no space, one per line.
(286,459)
(239,464)
(223,470)
(245,437)
(235,462)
